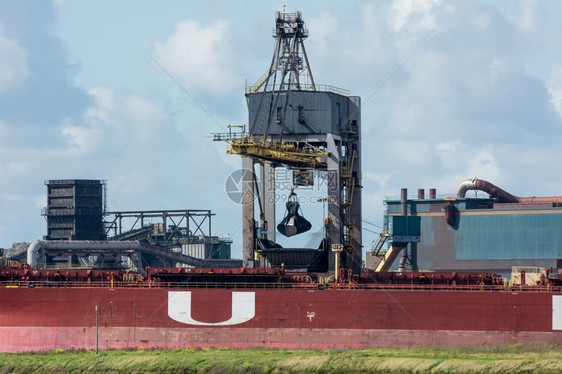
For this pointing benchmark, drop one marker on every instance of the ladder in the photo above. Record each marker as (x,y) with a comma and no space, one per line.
(380,242)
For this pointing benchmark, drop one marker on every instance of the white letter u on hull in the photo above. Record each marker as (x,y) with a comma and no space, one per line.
(243,308)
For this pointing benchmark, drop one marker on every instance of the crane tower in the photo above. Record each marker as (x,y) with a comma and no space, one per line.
(299,125)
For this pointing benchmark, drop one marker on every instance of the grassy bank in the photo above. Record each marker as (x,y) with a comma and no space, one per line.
(501,359)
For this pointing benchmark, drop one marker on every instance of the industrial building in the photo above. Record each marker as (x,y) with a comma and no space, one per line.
(75,209)
(491,233)
(81,233)
(307,129)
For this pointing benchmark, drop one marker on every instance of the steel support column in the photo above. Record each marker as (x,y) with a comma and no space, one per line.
(267,197)
(248,224)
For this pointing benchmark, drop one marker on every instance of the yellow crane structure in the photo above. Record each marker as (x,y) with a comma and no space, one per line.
(295,154)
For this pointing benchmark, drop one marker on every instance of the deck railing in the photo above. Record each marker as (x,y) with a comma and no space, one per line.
(276,286)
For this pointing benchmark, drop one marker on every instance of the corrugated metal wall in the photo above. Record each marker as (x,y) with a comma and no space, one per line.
(219,250)
(490,240)
(512,234)
(197,250)
(308,112)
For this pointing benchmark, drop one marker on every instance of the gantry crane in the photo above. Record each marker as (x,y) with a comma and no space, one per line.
(296,124)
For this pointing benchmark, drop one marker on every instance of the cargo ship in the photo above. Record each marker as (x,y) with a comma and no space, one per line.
(319,297)
(180,307)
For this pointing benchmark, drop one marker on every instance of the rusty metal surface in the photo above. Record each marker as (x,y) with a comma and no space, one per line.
(502,196)
(26,339)
(50,318)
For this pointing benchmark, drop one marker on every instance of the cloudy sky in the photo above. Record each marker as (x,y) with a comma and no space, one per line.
(450,90)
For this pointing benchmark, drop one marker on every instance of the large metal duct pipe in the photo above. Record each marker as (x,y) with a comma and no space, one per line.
(77,245)
(501,195)
(489,188)
(33,252)
(130,246)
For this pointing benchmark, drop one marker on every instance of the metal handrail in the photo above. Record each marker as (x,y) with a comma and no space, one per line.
(273,286)
(303,87)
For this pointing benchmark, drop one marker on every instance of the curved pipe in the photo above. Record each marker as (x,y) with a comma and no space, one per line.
(489,188)
(501,195)
(32,252)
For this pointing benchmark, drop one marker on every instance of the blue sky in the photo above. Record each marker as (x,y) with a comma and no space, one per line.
(81,97)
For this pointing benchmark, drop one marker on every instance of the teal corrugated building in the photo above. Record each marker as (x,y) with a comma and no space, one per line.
(490,234)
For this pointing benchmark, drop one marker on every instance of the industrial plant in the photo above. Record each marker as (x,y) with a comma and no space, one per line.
(494,233)
(312,132)
(439,273)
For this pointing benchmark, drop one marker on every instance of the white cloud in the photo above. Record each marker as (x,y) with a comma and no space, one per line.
(14,67)
(146,119)
(80,137)
(104,100)
(481,20)
(554,84)
(413,14)
(134,144)
(483,164)
(98,122)
(114,122)
(325,28)
(200,57)
(140,110)
(379,180)
(525,16)
(447,147)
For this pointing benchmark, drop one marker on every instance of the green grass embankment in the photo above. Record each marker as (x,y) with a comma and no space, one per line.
(499,359)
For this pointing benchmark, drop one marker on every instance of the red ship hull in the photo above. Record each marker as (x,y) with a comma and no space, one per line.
(40,319)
